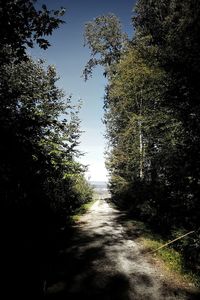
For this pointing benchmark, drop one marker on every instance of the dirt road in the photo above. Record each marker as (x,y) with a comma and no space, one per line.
(103,262)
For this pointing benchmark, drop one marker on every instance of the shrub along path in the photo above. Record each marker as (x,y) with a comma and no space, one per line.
(104,261)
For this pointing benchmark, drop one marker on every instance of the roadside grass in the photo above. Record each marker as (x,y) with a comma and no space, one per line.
(82,210)
(172,259)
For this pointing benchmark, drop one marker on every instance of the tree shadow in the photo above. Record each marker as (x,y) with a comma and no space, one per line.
(83,266)
(80,270)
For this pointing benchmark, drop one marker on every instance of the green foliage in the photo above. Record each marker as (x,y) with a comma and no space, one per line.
(146,131)
(41,181)
(105,40)
(37,124)
(39,127)
(22,25)
(83,189)
(152,115)
(173,259)
(81,210)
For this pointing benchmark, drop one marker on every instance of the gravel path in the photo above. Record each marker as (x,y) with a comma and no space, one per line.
(102,262)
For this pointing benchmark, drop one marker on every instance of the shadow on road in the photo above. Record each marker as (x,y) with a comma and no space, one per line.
(88,266)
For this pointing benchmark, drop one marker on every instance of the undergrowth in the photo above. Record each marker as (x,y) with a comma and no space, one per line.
(82,210)
(173,259)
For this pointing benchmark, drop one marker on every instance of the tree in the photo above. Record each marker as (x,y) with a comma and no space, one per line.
(139,128)
(38,168)
(22,26)
(39,138)
(152,117)
(171,29)
(106,41)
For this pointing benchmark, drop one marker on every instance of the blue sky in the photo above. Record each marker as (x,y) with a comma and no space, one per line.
(69,56)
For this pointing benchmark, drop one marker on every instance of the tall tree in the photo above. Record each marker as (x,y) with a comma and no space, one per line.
(105,40)
(153,113)
(170,31)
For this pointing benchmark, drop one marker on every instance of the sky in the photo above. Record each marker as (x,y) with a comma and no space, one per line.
(68,54)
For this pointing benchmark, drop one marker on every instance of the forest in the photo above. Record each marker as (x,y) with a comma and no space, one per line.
(42,183)
(152,115)
(152,118)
